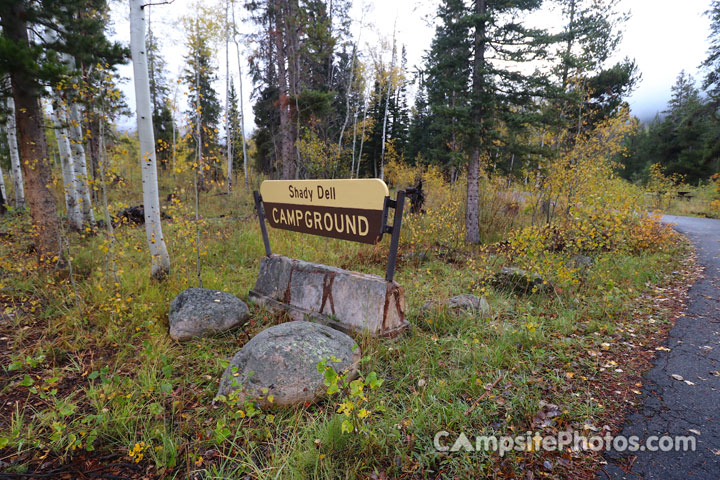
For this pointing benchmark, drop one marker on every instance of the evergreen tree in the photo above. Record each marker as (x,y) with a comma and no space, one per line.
(234,136)
(447,72)
(203,104)
(419,132)
(159,96)
(711,64)
(684,142)
(590,91)
(486,83)
(685,135)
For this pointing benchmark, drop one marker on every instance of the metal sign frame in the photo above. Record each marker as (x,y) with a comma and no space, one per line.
(394,229)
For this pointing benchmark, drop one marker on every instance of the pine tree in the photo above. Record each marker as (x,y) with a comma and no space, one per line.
(420,136)
(447,72)
(685,136)
(711,64)
(481,86)
(589,90)
(203,103)
(234,136)
(159,96)
(685,142)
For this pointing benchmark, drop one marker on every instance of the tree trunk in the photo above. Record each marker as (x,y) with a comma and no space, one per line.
(32,144)
(15,167)
(79,164)
(151,198)
(242,103)
(362,137)
(347,101)
(569,45)
(354,140)
(287,154)
(72,205)
(3,195)
(228,134)
(387,106)
(200,167)
(472,227)
(92,120)
(37,174)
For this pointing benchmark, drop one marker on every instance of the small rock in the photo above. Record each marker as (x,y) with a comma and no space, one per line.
(279,365)
(197,312)
(416,256)
(463,303)
(580,262)
(520,281)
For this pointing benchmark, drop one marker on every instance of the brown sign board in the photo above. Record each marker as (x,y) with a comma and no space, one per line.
(345,209)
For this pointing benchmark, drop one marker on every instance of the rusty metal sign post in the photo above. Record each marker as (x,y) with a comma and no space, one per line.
(354,210)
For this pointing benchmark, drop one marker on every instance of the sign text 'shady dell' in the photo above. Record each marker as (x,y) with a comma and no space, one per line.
(345,209)
(306,192)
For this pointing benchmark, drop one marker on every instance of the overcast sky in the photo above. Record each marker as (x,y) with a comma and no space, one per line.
(663,36)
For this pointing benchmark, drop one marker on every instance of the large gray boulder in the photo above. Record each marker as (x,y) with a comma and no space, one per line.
(280,364)
(463,303)
(197,312)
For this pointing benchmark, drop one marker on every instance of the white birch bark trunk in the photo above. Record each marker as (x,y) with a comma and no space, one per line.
(3,190)
(355,115)
(347,99)
(362,137)
(242,102)
(387,106)
(15,168)
(72,205)
(82,181)
(151,197)
(2,187)
(228,134)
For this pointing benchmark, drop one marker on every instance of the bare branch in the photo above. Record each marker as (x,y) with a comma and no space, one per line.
(151,4)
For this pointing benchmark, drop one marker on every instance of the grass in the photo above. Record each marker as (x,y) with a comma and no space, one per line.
(93,369)
(700,205)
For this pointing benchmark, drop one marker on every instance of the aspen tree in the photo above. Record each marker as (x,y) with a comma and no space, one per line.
(151,199)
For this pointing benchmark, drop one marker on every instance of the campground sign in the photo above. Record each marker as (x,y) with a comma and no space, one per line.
(346,209)
(355,210)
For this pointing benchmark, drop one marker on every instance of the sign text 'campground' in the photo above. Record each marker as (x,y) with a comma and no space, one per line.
(345,209)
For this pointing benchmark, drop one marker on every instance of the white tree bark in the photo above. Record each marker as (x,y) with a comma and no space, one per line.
(15,168)
(75,176)
(355,116)
(242,101)
(347,97)
(387,105)
(3,190)
(72,203)
(151,197)
(2,186)
(362,136)
(82,182)
(228,134)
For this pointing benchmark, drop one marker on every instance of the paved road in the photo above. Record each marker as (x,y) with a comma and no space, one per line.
(672,407)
